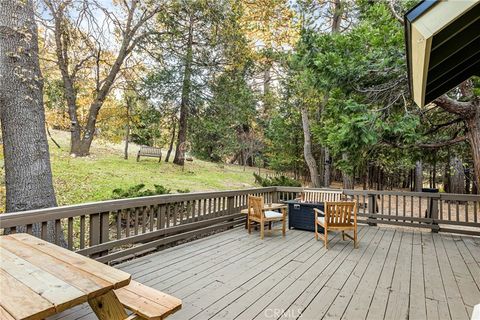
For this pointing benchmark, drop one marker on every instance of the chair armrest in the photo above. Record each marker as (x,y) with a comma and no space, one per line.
(317,211)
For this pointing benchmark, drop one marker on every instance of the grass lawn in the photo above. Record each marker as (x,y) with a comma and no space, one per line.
(93,178)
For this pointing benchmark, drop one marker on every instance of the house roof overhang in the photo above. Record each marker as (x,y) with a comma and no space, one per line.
(442,46)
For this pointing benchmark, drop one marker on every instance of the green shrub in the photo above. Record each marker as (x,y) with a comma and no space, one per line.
(276,181)
(138,191)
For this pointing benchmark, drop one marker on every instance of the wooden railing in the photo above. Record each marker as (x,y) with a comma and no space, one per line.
(118,229)
(442,212)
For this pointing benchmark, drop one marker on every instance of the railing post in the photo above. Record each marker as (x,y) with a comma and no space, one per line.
(433,213)
(275,196)
(230,207)
(99,230)
(94,234)
(372,208)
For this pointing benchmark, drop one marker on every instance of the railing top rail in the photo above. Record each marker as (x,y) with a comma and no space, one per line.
(50,214)
(445,196)
(393,193)
(300,189)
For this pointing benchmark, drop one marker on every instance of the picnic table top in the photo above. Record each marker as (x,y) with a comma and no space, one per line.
(39,279)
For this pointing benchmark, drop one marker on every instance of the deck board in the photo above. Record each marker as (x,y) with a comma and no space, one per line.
(418,308)
(363,295)
(395,273)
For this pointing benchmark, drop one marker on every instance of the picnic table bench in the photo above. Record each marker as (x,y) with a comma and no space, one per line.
(146,302)
(39,279)
(152,152)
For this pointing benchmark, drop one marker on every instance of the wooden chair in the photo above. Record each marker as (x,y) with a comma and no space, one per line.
(338,217)
(258,213)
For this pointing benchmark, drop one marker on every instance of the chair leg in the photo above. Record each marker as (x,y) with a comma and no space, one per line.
(284,227)
(343,235)
(355,245)
(316,231)
(325,238)
(270,225)
(262,229)
(249,226)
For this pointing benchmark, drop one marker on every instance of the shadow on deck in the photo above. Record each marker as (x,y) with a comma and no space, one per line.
(395,274)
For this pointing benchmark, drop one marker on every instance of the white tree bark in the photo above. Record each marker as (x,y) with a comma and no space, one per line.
(307,150)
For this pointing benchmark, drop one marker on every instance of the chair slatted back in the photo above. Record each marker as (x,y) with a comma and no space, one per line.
(255,206)
(318,196)
(340,213)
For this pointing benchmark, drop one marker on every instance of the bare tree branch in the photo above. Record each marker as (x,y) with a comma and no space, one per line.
(462,109)
(391,4)
(441,144)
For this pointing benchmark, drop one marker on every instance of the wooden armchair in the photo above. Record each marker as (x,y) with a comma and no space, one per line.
(257,212)
(338,216)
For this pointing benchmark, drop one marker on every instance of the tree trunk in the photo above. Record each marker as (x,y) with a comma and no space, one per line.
(473,136)
(307,150)
(430,179)
(172,140)
(418,176)
(457,176)
(185,102)
(127,128)
(127,138)
(347,179)
(337,15)
(468,180)
(327,166)
(474,185)
(446,177)
(266,89)
(81,147)
(28,175)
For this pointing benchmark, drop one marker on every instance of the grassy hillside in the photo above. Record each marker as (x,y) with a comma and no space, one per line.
(93,178)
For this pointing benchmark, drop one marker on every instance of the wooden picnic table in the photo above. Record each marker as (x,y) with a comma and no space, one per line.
(39,279)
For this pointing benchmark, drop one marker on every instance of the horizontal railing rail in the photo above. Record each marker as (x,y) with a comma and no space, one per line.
(118,229)
(444,212)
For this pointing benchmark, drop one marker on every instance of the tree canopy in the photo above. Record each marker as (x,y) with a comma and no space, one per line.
(252,83)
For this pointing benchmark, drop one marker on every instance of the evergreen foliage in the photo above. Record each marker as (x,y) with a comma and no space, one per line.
(139,190)
(276,181)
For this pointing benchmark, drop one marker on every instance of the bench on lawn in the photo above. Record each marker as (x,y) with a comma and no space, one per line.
(146,302)
(149,152)
(317,196)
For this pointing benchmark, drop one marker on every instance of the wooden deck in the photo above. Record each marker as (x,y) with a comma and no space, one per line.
(395,274)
